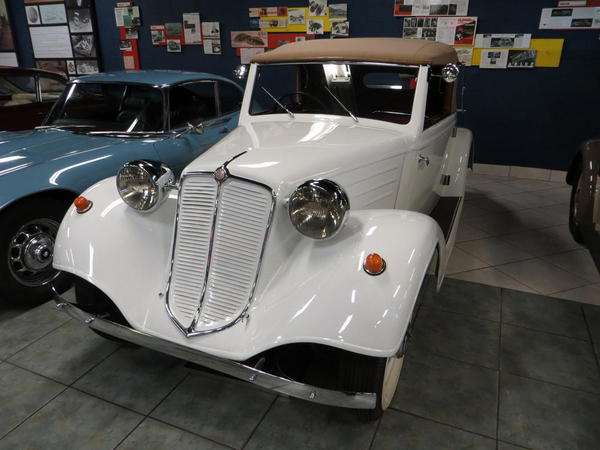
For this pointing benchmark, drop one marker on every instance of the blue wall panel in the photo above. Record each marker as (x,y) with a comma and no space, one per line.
(526,117)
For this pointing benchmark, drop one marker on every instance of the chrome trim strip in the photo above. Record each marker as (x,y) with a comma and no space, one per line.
(355,400)
(189,332)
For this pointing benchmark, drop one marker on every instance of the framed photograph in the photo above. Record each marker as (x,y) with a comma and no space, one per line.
(174,45)
(71,67)
(249,39)
(78,3)
(83,45)
(53,65)
(521,59)
(6,37)
(174,30)
(86,67)
(296,16)
(80,20)
(125,45)
(340,29)
(33,15)
(131,33)
(54,14)
(158,34)
(315,26)
(317,8)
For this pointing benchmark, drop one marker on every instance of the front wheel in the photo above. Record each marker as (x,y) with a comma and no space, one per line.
(361,373)
(27,234)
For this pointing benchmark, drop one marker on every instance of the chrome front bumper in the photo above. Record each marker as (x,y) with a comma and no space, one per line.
(355,400)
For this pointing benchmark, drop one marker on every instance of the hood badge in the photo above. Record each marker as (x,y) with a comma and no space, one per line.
(221,174)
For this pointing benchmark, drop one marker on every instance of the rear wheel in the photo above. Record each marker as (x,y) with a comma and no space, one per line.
(574,206)
(27,234)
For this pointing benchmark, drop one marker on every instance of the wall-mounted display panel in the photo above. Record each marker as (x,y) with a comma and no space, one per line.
(8,56)
(63,35)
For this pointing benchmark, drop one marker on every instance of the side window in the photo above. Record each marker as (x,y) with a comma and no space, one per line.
(192,103)
(440,98)
(385,93)
(231,98)
(51,88)
(17,90)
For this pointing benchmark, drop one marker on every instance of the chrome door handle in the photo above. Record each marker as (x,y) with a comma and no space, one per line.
(423,160)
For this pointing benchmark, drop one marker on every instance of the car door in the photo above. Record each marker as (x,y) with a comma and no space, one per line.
(196,104)
(423,166)
(19,106)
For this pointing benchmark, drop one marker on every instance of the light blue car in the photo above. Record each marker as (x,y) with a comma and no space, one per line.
(100,123)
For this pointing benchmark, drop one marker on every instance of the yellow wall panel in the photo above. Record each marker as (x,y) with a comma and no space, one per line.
(549,52)
(299,28)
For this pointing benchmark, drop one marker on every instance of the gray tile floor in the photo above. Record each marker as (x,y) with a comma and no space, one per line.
(488,368)
(514,233)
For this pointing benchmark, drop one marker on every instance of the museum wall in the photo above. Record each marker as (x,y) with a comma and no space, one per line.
(520,117)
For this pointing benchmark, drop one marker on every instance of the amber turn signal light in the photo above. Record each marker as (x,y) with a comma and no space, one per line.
(82,204)
(374,264)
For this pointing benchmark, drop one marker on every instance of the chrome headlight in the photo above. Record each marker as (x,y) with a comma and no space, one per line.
(142,184)
(318,208)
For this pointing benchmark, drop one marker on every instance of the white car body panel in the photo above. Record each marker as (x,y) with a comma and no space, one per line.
(308,291)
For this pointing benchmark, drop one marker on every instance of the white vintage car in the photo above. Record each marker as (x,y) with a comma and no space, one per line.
(292,253)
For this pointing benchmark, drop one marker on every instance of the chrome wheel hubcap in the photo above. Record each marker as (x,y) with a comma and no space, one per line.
(30,253)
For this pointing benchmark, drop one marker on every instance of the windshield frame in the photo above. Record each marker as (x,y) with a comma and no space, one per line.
(164,89)
(256,86)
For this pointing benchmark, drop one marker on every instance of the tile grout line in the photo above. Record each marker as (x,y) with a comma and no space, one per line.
(503,273)
(499,373)
(375,433)
(430,306)
(429,419)
(589,330)
(33,413)
(440,355)
(38,339)
(259,422)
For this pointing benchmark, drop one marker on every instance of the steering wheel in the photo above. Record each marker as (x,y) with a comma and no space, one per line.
(306,94)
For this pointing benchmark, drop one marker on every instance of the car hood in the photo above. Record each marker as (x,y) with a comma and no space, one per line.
(19,150)
(277,153)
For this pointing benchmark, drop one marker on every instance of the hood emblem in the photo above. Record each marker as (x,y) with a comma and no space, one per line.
(221,174)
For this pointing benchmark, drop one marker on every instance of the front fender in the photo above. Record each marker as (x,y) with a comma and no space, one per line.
(319,294)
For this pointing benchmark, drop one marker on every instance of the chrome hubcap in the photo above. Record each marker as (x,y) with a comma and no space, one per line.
(30,253)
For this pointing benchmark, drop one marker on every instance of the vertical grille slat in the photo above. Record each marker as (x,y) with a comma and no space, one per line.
(214,299)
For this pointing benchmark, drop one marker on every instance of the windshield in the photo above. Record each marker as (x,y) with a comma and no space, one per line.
(98,107)
(372,91)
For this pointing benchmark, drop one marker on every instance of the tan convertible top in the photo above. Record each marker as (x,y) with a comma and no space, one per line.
(389,50)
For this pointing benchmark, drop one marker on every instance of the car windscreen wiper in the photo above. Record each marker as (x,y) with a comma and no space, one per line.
(62,127)
(291,114)
(126,133)
(341,104)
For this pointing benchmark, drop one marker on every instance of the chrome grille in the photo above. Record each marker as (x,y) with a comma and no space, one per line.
(214,271)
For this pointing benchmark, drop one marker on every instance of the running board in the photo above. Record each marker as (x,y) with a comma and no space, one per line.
(444,213)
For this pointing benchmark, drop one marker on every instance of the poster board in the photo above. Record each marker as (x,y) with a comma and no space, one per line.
(431,8)
(549,52)
(292,27)
(576,18)
(8,55)
(63,35)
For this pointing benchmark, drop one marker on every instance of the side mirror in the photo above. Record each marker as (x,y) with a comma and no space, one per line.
(190,128)
(240,72)
(450,73)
